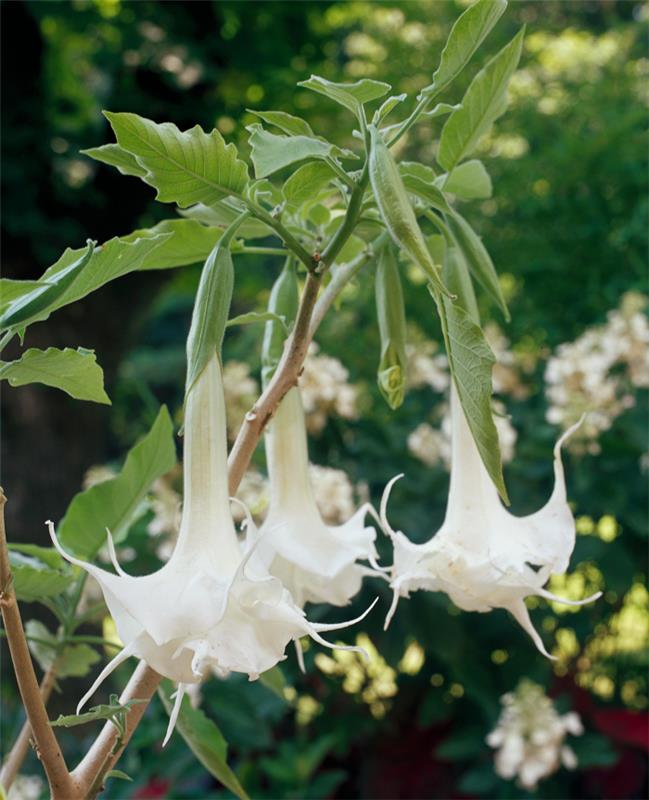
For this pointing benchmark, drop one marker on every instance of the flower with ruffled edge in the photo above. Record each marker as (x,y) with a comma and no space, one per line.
(213,605)
(483,557)
(316,562)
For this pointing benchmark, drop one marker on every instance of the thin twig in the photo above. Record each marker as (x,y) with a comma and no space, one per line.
(285,377)
(48,750)
(18,752)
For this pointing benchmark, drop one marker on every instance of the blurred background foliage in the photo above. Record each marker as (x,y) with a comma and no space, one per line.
(566,228)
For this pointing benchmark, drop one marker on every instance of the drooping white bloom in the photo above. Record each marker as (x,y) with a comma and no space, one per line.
(530,734)
(315,561)
(213,605)
(483,557)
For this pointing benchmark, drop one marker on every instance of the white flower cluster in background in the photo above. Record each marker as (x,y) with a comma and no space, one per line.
(529,736)
(598,372)
(26,787)
(325,390)
(426,366)
(510,366)
(432,446)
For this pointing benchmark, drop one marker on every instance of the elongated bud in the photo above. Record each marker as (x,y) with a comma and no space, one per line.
(283,301)
(392,329)
(212,306)
(33,305)
(395,208)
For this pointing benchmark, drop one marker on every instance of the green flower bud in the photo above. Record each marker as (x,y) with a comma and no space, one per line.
(390,311)
(283,302)
(212,306)
(396,210)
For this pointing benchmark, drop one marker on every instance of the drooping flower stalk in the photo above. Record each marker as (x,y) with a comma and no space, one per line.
(315,561)
(483,557)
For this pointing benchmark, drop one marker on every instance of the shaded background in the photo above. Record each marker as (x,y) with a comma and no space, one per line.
(566,229)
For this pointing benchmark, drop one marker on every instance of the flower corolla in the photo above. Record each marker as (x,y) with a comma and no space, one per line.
(483,557)
(213,606)
(315,561)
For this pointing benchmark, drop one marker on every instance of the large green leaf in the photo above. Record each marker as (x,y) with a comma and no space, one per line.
(467,34)
(72,661)
(116,156)
(428,192)
(468,181)
(351,95)
(111,260)
(477,258)
(35,579)
(185,167)
(485,100)
(188,242)
(114,503)
(204,739)
(75,372)
(11,290)
(471,361)
(271,153)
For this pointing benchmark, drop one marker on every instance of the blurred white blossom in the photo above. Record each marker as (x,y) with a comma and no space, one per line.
(598,372)
(426,366)
(433,446)
(26,787)
(529,736)
(241,391)
(325,390)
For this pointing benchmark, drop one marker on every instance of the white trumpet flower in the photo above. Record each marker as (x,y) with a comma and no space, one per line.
(316,562)
(213,606)
(483,557)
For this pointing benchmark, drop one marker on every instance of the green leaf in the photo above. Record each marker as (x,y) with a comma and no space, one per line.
(417,170)
(351,95)
(46,555)
(477,258)
(117,773)
(223,214)
(282,303)
(427,192)
(253,317)
(185,167)
(469,181)
(100,713)
(74,661)
(467,34)
(485,100)
(440,109)
(274,680)
(293,126)
(32,303)
(34,578)
(116,156)
(10,290)
(471,361)
(114,503)
(111,260)
(387,106)
(307,180)
(391,315)
(187,242)
(271,153)
(593,750)
(211,307)
(204,739)
(75,372)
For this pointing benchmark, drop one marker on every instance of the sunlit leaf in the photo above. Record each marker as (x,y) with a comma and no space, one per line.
(75,372)
(467,34)
(35,579)
(307,180)
(72,660)
(351,95)
(287,123)
(114,503)
(185,167)
(485,100)
(468,181)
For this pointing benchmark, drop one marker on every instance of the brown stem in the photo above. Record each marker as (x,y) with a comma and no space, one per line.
(285,377)
(18,752)
(47,746)
(106,749)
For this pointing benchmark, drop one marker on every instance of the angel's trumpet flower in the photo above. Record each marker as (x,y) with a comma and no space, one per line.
(483,557)
(315,561)
(213,606)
